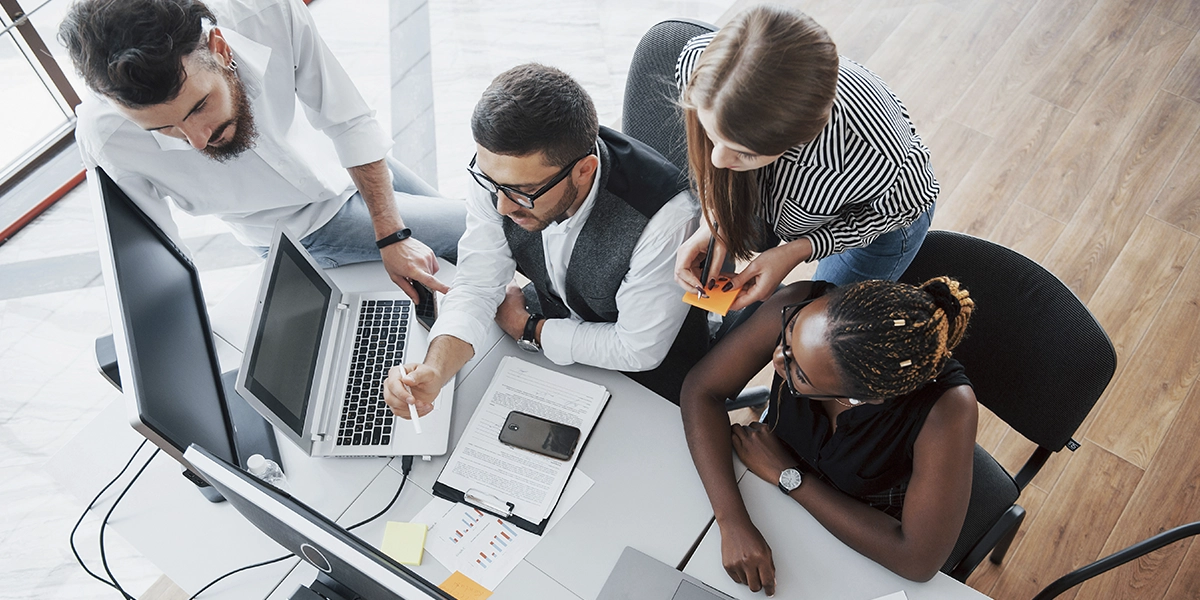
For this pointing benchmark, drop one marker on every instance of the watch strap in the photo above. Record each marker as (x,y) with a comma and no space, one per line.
(393,238)
(530,334)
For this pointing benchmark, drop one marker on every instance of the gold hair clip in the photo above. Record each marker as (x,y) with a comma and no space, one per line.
(898,322)
(907,363)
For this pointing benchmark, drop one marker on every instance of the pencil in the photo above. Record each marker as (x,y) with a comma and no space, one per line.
(712,244)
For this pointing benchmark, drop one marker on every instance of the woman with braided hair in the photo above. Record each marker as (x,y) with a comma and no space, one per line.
(871,424)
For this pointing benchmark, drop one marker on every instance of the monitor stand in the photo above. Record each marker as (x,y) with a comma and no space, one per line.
(324,588)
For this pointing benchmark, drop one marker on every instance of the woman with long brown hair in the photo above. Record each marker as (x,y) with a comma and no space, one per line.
(788,142)
(870,428)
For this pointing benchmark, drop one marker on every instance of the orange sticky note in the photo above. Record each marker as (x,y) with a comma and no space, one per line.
(717,301)
(464,588)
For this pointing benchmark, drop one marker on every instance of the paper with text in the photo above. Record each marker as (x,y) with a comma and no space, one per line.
(530,481)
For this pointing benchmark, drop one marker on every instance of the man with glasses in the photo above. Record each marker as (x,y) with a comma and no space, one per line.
(592,218)
(239,110)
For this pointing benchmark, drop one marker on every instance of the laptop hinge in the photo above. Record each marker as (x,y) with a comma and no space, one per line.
(329,393)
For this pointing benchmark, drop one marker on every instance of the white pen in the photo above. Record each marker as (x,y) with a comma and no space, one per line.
(416,418)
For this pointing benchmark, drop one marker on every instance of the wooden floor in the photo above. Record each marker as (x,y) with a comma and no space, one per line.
(1067,130)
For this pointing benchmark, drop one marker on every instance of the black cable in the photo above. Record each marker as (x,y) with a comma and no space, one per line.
(104,524)
(405,465)
(71,538)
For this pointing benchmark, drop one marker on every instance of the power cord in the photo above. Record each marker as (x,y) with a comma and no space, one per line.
(112,581)
(406,463)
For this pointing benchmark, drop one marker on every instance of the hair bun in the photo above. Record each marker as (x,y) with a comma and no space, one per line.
(944,296)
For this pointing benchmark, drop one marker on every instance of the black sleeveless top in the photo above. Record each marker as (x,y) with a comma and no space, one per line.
(870,454)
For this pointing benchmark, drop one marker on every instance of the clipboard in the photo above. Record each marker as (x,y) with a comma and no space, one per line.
(502,507)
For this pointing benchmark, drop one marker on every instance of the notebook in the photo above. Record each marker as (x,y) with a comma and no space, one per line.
(317,358)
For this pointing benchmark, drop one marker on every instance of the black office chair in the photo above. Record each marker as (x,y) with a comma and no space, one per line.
(1036,358)
(1117,559)
(651,111)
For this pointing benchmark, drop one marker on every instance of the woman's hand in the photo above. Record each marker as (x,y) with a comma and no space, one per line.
(747,557)
(763,275)
(761,451)
(689,260)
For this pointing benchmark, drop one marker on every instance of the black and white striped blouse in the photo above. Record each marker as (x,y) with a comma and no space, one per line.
(866,174)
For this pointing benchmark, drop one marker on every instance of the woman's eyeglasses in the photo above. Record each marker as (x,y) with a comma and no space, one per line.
(790,367)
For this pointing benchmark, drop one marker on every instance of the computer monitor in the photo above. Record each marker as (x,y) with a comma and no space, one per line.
(165,350)
(361,570)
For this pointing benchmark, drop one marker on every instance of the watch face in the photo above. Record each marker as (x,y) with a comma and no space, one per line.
(789,479)
(527,345)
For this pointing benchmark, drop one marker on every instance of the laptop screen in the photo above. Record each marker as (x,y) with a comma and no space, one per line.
(286,344)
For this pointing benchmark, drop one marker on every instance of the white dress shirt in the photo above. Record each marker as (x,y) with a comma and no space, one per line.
(312,125)
(649,302)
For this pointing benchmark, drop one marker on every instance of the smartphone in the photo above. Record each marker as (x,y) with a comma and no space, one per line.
(426,311)
(543,436)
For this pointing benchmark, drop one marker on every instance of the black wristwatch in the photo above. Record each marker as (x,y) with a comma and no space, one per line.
(789,480)
(528,341)
(392,238)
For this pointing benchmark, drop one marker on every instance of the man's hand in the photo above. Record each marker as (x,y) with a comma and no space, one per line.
(511,315)
(416,384)
(761,451)
(412,260)
(747,557)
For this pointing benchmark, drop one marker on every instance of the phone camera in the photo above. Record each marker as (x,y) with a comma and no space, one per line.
(514,426)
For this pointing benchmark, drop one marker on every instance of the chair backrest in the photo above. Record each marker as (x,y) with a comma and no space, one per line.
(651,111)
(1035,355)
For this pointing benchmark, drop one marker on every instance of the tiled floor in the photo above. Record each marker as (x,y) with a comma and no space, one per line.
(49,388)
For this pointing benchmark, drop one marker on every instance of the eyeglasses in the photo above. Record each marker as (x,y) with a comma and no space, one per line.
(789,313)
(521,198)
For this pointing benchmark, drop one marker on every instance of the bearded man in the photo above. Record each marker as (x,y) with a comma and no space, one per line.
(253,121)
(592,217)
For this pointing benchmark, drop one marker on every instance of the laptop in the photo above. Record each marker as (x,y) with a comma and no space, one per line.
(638,576)
(317,358)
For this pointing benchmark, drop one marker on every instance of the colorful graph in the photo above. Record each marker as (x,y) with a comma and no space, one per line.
(469,518)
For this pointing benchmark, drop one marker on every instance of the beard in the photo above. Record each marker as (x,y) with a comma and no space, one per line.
(244,132)
(557,214)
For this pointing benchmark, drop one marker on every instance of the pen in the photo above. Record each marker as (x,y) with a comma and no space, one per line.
(412,409)
(712,241)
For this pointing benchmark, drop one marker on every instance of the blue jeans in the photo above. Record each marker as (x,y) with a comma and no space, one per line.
(349,237)
(885,258)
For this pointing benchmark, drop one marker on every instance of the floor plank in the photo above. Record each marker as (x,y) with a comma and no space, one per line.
(990,101)
(1186,585)
(1165,498)
(954,148)
(1132,292)
(1002,171)
(1124,192)
(1070,529)
(1185,78)
(1179,201)
(1100,127)
(1144,399)
(1091,50)
(1186,13)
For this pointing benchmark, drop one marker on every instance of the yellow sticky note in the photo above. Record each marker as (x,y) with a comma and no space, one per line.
(404,542)
(717,301)
(464,588)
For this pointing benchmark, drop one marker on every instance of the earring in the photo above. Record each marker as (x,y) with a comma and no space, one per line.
(232,66)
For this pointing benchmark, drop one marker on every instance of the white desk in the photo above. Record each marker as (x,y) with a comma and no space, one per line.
(810,563)
(646,495)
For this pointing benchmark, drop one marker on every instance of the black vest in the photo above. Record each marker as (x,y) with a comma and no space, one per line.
(635,182)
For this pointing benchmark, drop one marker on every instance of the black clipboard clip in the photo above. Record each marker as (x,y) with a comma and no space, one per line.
(488,502)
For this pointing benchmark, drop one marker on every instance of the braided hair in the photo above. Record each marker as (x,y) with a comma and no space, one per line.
(889,338)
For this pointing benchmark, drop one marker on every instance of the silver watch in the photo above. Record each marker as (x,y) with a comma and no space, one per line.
(789,480)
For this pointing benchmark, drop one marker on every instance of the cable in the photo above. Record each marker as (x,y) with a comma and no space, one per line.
(104,524)
(405,466)
(82,516)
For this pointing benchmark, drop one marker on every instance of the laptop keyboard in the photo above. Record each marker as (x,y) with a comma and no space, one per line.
(378,346)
